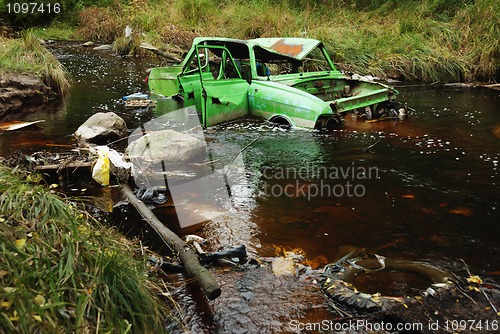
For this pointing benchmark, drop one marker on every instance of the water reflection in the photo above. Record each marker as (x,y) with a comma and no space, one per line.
(436,192)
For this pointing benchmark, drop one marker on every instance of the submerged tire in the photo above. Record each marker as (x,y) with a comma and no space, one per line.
(341,286)
(281,121)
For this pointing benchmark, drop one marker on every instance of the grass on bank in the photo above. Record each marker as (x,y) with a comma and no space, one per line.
(28,55)
(61,272)
(56,31)
(431,40)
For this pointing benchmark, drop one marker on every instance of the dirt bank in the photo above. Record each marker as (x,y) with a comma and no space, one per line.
(22,93)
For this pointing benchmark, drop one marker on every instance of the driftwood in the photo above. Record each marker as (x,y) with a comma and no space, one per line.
(70,165)
(161,53)
(187,255)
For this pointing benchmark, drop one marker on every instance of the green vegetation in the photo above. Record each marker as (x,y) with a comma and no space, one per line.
(27,55)
(431,40)
(62,272)
(56,31)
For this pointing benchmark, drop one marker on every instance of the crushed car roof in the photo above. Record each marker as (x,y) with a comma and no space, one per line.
(292,47)
(297,48)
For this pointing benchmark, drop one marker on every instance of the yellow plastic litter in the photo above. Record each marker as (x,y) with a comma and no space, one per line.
(100,172)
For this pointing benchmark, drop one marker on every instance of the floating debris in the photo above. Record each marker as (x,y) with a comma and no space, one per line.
(137,100)
(16,125)
(133,104)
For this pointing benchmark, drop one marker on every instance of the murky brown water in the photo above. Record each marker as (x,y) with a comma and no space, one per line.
(428,190)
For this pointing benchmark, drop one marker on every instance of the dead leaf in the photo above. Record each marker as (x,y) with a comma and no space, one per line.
(474,288)
(20,243)
(428,211)
(318,261)
(6,304)
(496,131)
(14,316)
(463,211)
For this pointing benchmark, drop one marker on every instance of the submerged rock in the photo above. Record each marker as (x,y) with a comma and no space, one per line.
(168,146)
(101,128)
(104,47)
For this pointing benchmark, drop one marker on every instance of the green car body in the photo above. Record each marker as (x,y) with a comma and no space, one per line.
(290,81)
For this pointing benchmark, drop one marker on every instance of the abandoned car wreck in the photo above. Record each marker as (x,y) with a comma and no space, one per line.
(289,81)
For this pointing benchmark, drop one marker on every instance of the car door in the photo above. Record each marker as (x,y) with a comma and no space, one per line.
(224,93)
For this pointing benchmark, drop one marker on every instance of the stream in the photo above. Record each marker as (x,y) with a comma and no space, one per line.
(427,189)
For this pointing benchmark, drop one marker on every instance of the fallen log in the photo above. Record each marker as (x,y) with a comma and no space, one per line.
(70,165)
(187,255)
(161,53)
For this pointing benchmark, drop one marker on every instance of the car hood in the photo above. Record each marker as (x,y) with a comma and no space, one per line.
(296,78)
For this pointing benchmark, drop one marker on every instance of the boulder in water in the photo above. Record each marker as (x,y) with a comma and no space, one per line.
(101,128)
(166,146)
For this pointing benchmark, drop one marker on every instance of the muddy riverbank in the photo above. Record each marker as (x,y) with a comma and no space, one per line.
(22,94)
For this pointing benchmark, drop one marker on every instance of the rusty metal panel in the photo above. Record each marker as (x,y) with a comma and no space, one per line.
(293,47)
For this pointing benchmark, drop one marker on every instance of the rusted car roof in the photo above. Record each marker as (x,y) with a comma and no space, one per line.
(292,47)
(297,48)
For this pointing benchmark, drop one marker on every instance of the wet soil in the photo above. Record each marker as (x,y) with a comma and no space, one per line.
(21,93)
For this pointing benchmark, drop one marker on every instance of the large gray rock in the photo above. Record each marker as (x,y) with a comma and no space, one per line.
(168,146)
(101,128)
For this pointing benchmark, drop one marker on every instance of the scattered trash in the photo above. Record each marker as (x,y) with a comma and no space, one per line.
(100,172)
(16,125)
(137,96)
(116,158)
(283,266)
(191,237)
(339,284)
(137,100)
(286,262)
(150,195)
(102,168)
(238,253)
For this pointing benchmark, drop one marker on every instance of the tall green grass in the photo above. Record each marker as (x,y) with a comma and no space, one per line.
(431,40)
(27,55)
(61,272)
